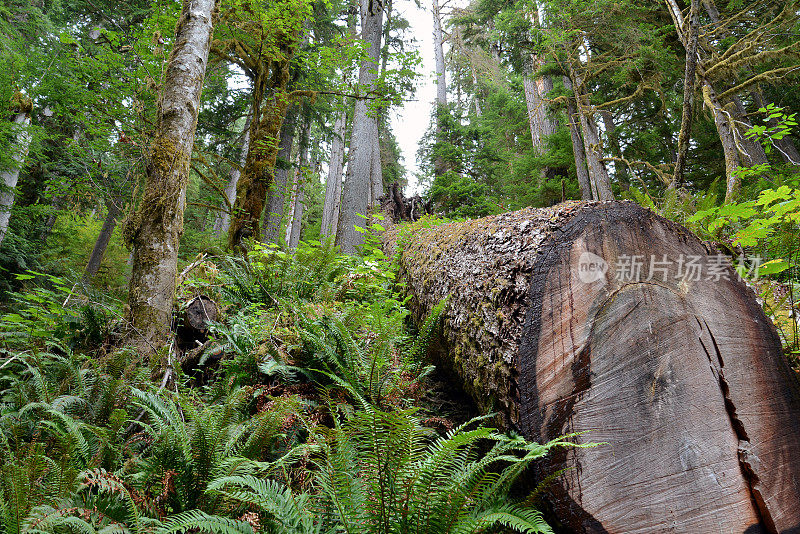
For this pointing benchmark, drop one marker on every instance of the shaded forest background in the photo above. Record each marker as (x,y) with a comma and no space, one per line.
(308,400)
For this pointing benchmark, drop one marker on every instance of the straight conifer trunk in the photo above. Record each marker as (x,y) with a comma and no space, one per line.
(333,184)
(438,48)
(439,165)
(300,187)
(359,184)
(10,176)
(158,224)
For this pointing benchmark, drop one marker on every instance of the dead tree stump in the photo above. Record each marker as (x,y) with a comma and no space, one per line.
(608,319)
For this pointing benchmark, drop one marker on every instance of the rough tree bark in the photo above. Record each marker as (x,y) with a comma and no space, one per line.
(333,185)
(259,170)
(357,189)
(222,222)
(275,212)
(438,49)
(550,322)
(100,246)
(10,176)
(158,224)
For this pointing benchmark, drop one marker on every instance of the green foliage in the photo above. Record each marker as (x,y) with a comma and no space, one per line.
(42,314)
(383,472)
(283,510)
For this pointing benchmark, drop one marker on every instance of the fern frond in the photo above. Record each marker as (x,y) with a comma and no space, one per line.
(210,524)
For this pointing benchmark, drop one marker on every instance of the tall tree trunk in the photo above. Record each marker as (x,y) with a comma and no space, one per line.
(258,175)
(356,194)
(275,213)
(541,122)
(439,165)
(301,175)
(289,219)
(376,168)
(577,145)
(688,94)
(598,174)
(297,214)
(438,49)
(222,222)
(722,118)
(10,176)
(158,224)
(333,185)
(100,246)
(728,139)
(478,109)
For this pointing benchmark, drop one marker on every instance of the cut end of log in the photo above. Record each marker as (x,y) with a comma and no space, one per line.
(605,319)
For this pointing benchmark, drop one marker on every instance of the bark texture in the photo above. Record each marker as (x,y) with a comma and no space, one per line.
(333,184)
(541,122)
(577,146)
(293,239)
(158,223)
(10,176)
(358,189)
(438,50)
(275,213)
(683,378)
(259,170)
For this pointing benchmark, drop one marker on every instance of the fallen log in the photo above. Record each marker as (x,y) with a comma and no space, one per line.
(608,319)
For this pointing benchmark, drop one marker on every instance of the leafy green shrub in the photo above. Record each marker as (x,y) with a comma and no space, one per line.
(50,309)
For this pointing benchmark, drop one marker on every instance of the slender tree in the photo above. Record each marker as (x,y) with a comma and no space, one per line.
(688,93)
(113,211)
(577,145)
(300,177)
(333,184)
